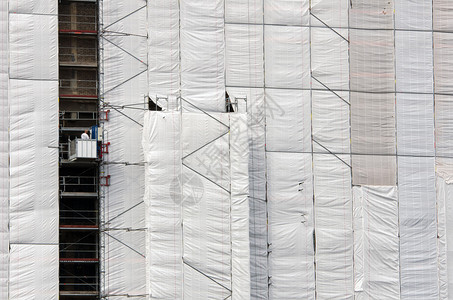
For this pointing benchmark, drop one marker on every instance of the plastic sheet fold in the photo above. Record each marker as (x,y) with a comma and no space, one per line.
(4,153)
(29,59)
(287,56)
(286,12)
(34,272)
(197,205)
(418,228)
(34,151)
(244,55)
(288,121)
(203,54)
(124,83)
(376,243)
(245,12)
(291,239)
(444,193)
(163,49)
(333,227)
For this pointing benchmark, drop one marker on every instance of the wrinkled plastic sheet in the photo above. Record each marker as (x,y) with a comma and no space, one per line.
(371,14)
(34,272)
(203,54)
(333,219)
(34,151)
(291,239)
(444,126)
(244,55)
(244,11)
(29,59)
(373,138)
(414,61)
(257,185)
(332,13)
(330,65)
(418,228)
(124,83)
(372,60)
(32,210)
(4,153)
(288,120)
(163,49)
(442,15)
(376,247)
(190,171)
(414,15)
(286,12)
(443,65)
(287,56)
(445,254)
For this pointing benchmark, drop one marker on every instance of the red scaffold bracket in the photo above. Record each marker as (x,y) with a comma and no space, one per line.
(105,148)
(105,180)
(104,115)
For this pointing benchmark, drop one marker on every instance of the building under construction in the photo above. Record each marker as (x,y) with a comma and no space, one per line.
(236,149)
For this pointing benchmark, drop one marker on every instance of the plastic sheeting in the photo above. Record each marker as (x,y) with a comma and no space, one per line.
(124,83)
(4,152)
(288,119)
(333,226)
(34,272)
(418,232)
(372,87)
(34,140)
(33,151)
(163,49)
(376,248)
(163,198)
(244,36)
(28,58)
(287,57)
(291,239)
(244,11)
(197,205)
(445,237)
(203,54)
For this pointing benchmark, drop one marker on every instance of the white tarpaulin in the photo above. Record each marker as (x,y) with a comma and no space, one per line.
(124,83)
(33,151)
(291,239)
(445,237)
(163,49)
(197,205)
(418,232)
(34,272)
(203,54)
(4,152)
(376,252)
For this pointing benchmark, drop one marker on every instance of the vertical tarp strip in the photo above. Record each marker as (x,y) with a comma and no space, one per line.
(443,72)
(373,87)
(239,158)
(33,122)
(331,133)
(123,88)
(161,147)
(203,54)
(244,71)
(291,240)
(445,209)
(206,206)
(4,152)
(376,257)
(418,228)
(163,51)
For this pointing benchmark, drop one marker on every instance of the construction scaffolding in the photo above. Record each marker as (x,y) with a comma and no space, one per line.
(245,149)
